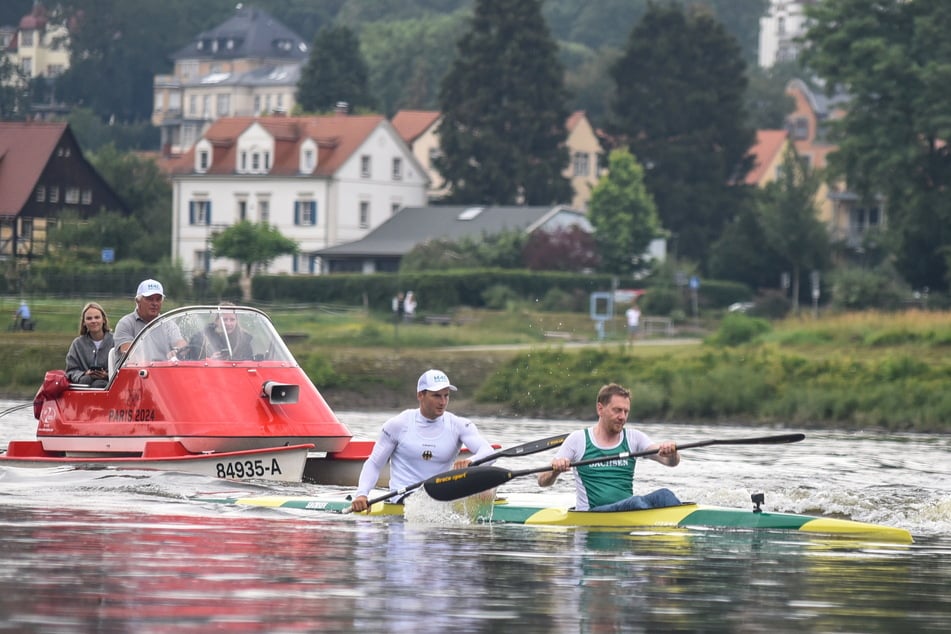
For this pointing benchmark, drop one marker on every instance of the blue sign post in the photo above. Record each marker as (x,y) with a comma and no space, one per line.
(108,255)
(602,309)
(694,287)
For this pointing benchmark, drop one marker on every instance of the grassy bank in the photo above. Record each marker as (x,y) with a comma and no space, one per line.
(854,371)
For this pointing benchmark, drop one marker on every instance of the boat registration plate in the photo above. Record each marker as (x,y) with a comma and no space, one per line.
(241,469)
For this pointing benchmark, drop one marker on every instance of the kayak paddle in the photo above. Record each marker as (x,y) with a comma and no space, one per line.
(519,450)
(460,483)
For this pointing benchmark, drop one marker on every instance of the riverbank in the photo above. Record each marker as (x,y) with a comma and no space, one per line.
(865,371)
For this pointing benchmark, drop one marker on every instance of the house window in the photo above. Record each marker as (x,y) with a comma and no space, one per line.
(242,209)
(26,228)
(26,65)
(71,196)
(193,104)
(86,197)
(41,194)
(199,212)
(365,166)
(203,160)
(434,154)
(579,164)
(54,194)
(394,207)
(206,106)
(244,161)
(224,105)
(397,169)
(308,165)
(800,129)
(364,214)
(26,38)
(202,261)
(305,212)
(257,104)
(267,161)
(264,210)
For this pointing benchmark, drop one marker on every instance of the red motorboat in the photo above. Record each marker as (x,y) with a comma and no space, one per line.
(220,394)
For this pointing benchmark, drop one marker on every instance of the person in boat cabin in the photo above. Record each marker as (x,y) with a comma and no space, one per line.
(223,338)
(163,344)
(609,486)
(420,443)
(88,357)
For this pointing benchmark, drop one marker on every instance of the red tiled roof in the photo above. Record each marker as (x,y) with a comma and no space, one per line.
(410,124)
(25,149)
(768,144)
(574,119)
(337,137)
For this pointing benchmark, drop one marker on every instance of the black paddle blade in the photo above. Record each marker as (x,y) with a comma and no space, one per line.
(764,440)
(460,483)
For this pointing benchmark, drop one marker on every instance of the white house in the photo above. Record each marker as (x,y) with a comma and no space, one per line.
(784,21)
(320,180)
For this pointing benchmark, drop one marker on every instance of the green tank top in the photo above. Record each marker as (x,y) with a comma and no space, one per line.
(606,482)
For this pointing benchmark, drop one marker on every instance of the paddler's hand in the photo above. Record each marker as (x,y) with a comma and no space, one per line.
(560,465)
(359,504)
(462,463)
(667,451)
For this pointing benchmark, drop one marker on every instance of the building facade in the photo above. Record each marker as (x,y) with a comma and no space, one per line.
(785,20)
(249,65)
(319,180)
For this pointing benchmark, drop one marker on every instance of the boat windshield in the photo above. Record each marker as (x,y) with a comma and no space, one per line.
(231,334)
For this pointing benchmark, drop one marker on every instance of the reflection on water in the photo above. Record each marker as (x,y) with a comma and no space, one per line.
(105,551)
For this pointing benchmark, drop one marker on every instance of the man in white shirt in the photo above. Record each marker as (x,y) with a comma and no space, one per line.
(420,443)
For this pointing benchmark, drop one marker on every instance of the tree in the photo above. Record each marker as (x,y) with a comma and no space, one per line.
(335,72)
(565,249)
(766,98)
(623,214)
(503,105)
(680,105)
(251,244)
(14,91)
(499,250)
(118,46)
(142,186)
(894,62)
(788,216)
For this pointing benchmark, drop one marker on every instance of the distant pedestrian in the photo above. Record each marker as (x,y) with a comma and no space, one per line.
(409,306)
(23,316)
(633,316)
(397,307)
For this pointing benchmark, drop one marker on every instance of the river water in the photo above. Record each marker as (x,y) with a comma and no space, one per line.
(128,551)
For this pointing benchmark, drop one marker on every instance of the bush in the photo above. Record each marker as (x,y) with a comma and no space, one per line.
(736,329)
(499,297)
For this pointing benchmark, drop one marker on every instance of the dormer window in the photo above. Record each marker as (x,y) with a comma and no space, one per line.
(308,156)
(203,156)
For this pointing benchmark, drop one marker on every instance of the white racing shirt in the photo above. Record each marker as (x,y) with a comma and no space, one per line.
(418,448)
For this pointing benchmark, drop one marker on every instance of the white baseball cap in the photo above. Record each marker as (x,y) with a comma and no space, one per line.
(433,381)
(150,287)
